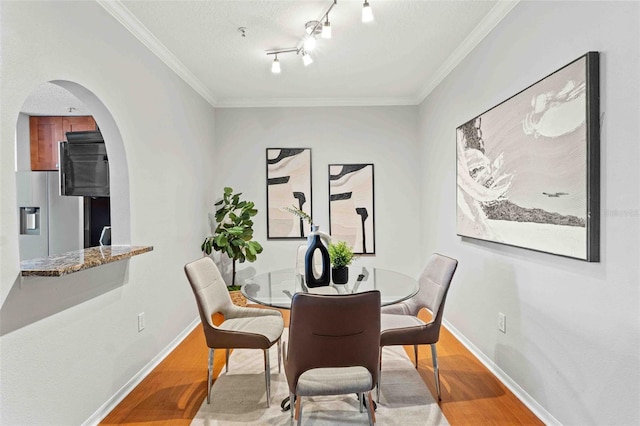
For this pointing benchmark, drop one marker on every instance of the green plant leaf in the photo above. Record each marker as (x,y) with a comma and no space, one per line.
(208,247)
(254,247)
(236,230)
(221,240)
(251,250)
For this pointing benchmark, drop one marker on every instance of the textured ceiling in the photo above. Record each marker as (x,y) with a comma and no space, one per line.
(390,61)
(396,60)
(51,99)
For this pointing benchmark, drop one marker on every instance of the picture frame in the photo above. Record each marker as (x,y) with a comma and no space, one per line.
(528,169)
(288,184)
(352,206)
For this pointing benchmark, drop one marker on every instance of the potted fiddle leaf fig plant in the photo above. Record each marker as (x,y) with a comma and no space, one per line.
(233,234)
(341,256)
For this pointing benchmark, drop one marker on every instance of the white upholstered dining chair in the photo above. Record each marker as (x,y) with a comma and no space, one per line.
(400,324)
(250,328)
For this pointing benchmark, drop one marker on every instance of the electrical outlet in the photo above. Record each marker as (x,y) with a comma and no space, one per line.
(502,322)
(140,322)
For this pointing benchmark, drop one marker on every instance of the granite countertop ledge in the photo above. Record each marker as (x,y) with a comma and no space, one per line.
(74,261)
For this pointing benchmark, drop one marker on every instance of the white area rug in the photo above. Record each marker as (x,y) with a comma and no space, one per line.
(239,397)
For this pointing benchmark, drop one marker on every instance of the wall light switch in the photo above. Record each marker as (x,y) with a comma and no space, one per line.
(140,322)
(502,322)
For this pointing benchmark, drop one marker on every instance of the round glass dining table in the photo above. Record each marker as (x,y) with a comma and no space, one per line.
(276,288)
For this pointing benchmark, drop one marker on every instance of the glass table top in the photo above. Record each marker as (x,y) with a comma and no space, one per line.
(276,288)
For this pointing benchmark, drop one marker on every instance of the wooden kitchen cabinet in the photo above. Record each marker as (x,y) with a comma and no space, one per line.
(46,132)
(78,124)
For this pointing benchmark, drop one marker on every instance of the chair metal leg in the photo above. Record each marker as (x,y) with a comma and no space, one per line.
(370,409)
(379,377)
(209,375)
(436,370)
(226,364)
(267,376)
(415,354)
(292,401)
(279,356)
(299,410)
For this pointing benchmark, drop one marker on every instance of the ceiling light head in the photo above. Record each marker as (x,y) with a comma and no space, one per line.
(310,43)
(306,59)
(326,28)
(275,66)
(367,14)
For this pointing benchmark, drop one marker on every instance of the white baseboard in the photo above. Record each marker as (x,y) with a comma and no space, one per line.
(112,402)
(503,377)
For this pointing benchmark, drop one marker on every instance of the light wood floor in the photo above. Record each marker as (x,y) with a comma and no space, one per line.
(174,391)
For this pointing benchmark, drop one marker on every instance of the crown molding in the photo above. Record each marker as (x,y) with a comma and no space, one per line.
(311,102)
(135,27)
(488,23)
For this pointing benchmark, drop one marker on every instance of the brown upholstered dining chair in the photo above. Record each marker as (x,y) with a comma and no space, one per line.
(400,323)
(333,347)
(251,328)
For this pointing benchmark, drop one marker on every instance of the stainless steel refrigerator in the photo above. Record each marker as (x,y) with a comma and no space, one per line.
(49,223)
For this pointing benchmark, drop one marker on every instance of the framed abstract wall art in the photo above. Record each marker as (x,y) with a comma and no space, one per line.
(288,184)
(528,172)
(351,206)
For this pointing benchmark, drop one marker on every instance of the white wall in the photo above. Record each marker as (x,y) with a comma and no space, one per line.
(69,344)
(384,136)
(573,328)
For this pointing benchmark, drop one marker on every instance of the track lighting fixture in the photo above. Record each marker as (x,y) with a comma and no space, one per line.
(326,28)
(310,43)
(306,59)
(320,27)
(275,66)
(367,14)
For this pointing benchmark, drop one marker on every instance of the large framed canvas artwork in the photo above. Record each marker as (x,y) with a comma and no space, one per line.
(528,172)
(288,184)
(351,206)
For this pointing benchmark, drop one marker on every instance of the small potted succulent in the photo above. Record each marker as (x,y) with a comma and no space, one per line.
(341,256)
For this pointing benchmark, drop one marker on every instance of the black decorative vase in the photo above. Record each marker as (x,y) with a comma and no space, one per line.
(315,243)
(340,275)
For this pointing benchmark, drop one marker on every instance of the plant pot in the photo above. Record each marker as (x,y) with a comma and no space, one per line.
(238,298)
(340,275)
